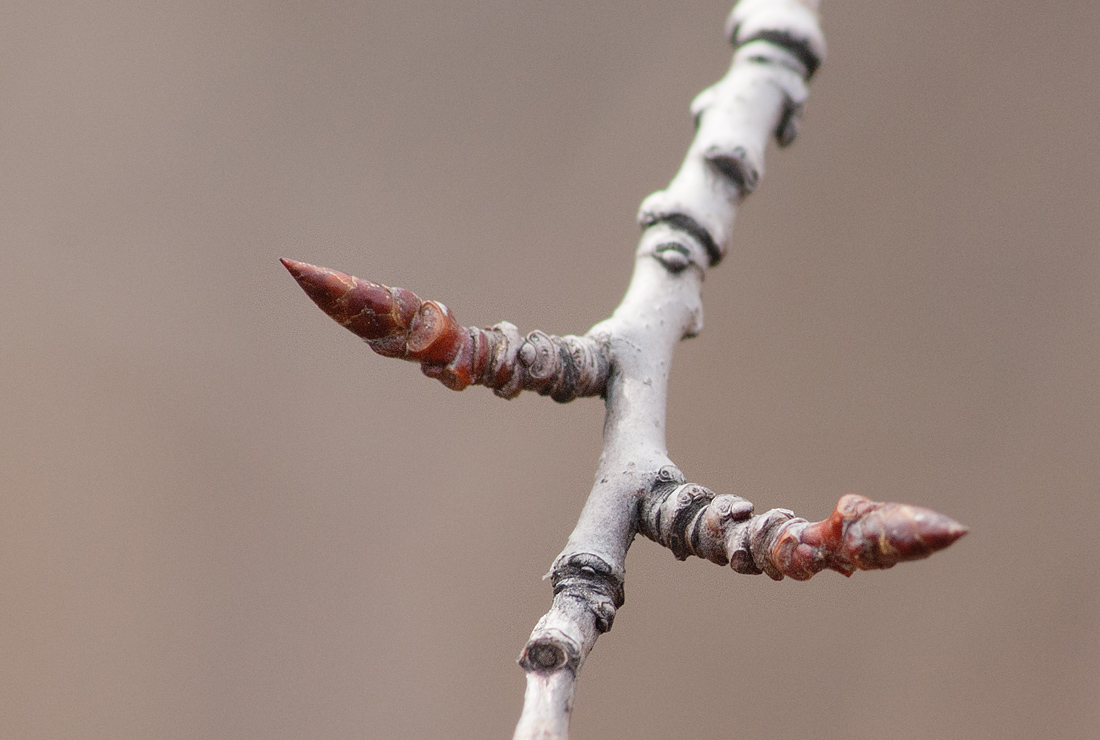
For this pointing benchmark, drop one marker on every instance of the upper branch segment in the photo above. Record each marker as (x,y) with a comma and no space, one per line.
(779,45)
(396,323)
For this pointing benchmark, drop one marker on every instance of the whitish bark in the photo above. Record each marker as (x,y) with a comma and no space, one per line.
(687,229)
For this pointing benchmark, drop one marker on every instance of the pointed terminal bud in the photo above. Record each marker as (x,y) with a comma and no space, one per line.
(396,323)
(374,312)
(863,535)
(880,535)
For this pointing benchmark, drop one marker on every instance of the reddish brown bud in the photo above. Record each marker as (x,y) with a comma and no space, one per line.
(396,323)
(862,535)
(374,312)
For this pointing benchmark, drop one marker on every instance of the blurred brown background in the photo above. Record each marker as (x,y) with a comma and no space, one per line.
(223,517)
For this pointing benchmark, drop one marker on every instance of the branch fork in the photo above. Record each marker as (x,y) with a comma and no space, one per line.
(686,230)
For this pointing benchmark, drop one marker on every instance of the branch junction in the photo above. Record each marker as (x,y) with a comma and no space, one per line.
(625,359)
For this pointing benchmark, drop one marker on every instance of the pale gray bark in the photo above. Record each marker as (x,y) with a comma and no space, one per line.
(687,229)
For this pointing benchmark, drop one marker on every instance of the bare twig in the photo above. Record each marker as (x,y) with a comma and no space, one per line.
(626,359)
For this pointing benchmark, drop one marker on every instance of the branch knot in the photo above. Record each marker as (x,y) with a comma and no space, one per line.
(592,580)
(550,652)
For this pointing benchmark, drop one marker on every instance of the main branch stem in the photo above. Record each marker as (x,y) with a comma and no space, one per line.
(686,230)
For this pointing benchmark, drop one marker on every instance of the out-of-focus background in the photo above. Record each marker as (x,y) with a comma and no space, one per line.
(222,516)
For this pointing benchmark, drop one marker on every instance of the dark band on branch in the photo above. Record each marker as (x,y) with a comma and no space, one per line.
(590,578)
(800,48)
(688,224)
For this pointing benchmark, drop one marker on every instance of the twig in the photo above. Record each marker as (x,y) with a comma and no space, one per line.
(626,359)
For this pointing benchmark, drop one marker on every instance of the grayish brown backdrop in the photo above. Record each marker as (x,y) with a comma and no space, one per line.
(221,516)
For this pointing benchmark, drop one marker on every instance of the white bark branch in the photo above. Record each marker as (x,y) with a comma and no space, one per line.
(687,229)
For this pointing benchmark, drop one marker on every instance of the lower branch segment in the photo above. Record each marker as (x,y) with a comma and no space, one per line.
(547,706)
(396,323)
(860,534)
(586,594)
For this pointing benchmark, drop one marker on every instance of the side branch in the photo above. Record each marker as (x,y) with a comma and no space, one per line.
(860,534)
(396,323)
